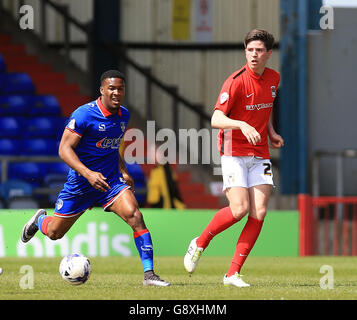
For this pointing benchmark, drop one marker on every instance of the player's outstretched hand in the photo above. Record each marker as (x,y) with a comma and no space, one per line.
(97,181)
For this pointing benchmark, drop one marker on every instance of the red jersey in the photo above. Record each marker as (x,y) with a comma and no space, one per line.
(247,97)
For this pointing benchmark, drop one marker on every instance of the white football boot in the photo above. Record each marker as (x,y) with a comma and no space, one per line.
(235,280)
(192,256)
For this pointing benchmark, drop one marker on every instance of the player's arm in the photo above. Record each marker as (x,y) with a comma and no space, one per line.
(220,121)
(66,152)
(124,171)
(276,141)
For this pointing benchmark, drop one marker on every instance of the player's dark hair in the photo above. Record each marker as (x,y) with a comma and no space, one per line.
(112,74)
(262,35)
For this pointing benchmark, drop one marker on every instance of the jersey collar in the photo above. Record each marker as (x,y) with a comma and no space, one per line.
(104,111)
(253,74)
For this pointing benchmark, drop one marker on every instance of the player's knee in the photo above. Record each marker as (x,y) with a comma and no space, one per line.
(259,213)
(134,217)
(239,210)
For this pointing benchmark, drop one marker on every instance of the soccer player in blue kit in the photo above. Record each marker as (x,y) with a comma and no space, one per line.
(98,175)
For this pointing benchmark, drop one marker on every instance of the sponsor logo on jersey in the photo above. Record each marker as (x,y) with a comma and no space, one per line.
(101,127)
(258,106)
(106,143)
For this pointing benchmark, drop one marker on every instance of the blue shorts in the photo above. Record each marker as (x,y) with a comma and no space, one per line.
(71,203)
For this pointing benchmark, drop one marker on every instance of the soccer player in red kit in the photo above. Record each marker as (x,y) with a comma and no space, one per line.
(243,113)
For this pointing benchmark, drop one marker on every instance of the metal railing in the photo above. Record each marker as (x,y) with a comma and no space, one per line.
(5,160)
(120,51)
(42,190)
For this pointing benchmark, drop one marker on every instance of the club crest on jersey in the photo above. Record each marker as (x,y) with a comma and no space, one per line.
(72,124)
(224,97)
(122,126)
(59,204)
(108,143)
(273,91)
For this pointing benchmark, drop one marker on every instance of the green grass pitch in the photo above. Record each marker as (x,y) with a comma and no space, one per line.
(118,278)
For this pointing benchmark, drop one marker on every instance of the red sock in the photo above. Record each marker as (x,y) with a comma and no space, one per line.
(44,224)
(222,220)
(245,243)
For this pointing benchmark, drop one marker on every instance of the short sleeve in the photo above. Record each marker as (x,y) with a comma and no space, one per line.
(76,122)
(225,99)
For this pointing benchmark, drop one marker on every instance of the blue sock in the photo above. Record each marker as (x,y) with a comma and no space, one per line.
(144,245)
(40,220)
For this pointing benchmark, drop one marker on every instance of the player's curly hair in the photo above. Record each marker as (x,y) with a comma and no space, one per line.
(262,35)
(112,74)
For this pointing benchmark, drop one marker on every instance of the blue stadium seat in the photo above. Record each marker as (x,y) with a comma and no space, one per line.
(44,105)
(30,172)
(11,127)
(16,82)
(55,178)
(42,127)
(56,186)
(13,105)
(15,188)
(137,173)
(59,168)
(39,147)
(61,124)
(9,147)
(2,64)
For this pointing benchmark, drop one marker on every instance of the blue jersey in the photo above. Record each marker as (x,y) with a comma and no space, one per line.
(101,133)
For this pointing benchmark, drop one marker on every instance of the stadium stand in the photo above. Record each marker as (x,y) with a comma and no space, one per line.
(31,118)
(23,203)
(30,172)
(137,173)
(39,146)
(35,102)
(40,127)
(9,147)
(16,82)
(11,127)
(43,105)
(17,194)
(57,168)
(13,105)
(2,64)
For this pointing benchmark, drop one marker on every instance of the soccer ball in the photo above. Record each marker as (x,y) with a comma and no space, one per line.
(75,268)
